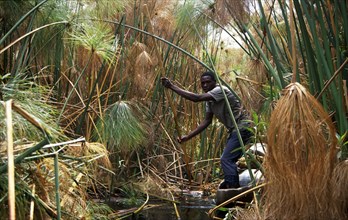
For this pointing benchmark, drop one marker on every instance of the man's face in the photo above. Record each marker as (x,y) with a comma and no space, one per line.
(207,83)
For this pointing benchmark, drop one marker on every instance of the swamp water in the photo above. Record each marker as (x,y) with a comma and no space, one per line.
(192,206)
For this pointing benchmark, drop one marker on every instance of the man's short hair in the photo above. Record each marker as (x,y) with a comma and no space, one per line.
(209,73)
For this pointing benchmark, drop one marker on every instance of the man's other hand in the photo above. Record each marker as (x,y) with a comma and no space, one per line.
(183,139)
(166,82)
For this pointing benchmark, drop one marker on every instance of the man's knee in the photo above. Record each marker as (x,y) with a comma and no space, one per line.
(224,160)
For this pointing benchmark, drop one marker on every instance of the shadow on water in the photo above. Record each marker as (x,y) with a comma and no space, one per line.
(167,212)
(192,206)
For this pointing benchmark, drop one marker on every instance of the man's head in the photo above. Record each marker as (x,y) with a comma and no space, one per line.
(208,81)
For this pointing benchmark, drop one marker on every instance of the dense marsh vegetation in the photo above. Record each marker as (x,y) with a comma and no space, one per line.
(84,116)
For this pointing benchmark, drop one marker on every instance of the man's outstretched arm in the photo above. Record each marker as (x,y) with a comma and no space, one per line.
(184,93)
(203,125)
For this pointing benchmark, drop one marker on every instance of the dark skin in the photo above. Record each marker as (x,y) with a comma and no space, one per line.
(207,84)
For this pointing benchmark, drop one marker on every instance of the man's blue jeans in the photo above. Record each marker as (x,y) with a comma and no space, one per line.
(231,154)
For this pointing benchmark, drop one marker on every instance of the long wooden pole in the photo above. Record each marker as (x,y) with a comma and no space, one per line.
(56,180)
(10,161)
(293,42)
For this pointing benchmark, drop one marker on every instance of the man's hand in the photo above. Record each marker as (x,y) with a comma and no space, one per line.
(183,139)
(166,82)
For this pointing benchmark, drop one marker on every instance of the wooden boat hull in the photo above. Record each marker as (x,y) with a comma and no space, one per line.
(223,195)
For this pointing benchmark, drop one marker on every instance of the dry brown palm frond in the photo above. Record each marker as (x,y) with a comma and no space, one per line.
(97,165)
(99,149)
(73,182)
(90,150)
(238,10)
(43,186)
(143,73)
(74,195)
(163,22)
(76,201)
(219,11)
(340,189)
(140,68)
(251,91)
(161,15)
(301,157)
(143,60)
(257,71)
(137,48)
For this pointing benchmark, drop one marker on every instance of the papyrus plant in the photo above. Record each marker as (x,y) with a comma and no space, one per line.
(302,147)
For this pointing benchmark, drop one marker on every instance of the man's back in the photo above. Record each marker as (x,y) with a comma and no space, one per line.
(220,108)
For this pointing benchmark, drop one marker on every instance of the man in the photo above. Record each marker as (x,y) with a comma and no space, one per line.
(216,105)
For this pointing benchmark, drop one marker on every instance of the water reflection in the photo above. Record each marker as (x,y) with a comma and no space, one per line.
(167,212)
(193,206)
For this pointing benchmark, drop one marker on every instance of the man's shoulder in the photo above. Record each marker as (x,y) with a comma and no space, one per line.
(217,88)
